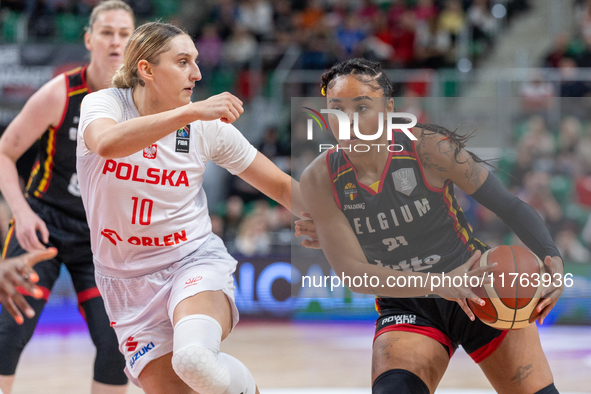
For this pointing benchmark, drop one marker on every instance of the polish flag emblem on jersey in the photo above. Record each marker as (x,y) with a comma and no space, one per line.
(150,151)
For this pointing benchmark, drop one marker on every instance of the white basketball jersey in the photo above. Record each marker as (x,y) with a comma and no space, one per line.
(148,210)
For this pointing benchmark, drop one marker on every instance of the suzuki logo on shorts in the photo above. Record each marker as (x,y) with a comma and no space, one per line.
(192,281)
(143,350)
(131,344)
(109,234)
(345,124)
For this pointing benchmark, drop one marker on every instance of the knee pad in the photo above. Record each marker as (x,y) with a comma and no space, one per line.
(399,381)
(197,361)
(551,389)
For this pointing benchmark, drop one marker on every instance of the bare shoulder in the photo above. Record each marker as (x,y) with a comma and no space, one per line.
(316,174)
(49,101)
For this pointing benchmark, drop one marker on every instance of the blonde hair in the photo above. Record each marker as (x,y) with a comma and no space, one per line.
(108,5)
(146,43)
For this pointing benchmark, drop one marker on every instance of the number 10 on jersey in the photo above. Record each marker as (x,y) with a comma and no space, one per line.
(145,211)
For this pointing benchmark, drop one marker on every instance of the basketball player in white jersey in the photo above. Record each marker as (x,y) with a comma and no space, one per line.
(165,277)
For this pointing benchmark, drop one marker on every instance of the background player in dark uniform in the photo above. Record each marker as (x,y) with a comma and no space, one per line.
(397,211)
(52,213)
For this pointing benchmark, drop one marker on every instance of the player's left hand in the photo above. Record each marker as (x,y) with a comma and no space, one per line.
(307,228)
(550,295)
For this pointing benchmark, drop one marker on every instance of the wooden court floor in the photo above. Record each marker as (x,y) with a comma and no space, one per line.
(330,357)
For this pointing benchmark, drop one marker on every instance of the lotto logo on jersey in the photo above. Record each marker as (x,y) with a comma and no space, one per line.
(351,191)
(192,281)
(150,152)
(131,345)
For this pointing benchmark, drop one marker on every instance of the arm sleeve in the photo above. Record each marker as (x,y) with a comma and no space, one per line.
(227,147)
(519,216)
(97,105)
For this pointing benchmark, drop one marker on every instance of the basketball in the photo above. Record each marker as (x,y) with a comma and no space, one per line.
(513,294)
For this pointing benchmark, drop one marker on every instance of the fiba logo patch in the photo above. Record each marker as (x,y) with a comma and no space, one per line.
(150,151)
(183,133)
(405,180)
(351,191)
(183,136)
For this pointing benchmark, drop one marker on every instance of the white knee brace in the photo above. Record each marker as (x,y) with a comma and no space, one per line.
(197,361)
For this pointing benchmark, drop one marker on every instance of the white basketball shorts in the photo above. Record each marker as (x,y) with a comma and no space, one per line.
(141,308)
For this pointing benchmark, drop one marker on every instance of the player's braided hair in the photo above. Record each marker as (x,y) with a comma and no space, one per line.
(361,69)
(458,141)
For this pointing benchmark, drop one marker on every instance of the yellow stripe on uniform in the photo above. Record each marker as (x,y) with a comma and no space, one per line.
(457,226)
(404,157)
(34,172)
(75,92)
(7,241)
(342,173)
(47,166)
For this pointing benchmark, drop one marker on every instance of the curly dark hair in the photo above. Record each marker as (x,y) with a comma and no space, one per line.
(458,141)
(361,69)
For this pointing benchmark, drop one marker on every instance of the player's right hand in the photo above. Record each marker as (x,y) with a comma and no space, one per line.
(18,272)
(224,106)
(27,223)
(459,294)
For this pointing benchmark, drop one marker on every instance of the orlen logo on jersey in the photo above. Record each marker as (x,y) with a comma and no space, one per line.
(131,344)
(111,235)
(150,151)
(166,240)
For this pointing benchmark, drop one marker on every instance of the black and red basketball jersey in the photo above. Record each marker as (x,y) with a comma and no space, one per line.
(53,178)
(402,222)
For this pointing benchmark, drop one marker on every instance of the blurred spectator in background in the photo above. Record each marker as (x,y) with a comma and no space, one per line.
(571,249)
(537,193)
(210,47)
(570,87)
(404,37)
(452,18)
(559,50)
(240,47)
(537,138)
(482,22)
(537,94)
(253,235)
(257,17)
(349,38)
(433,45)
(424,11)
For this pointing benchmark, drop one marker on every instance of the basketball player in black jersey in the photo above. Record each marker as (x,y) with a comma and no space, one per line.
(397,211)
(51,211)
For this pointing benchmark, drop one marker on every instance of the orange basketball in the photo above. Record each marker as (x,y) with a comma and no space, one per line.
(514,293)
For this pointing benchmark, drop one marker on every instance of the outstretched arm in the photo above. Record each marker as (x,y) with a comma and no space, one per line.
(111,140)
(274,183)
(438,157)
